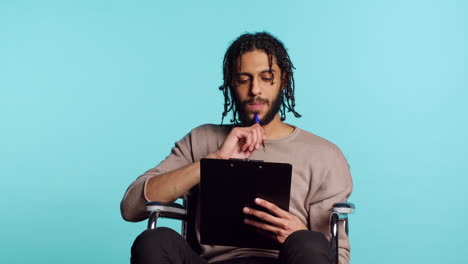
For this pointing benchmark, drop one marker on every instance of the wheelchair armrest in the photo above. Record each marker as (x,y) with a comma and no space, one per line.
(167,210)
(343,208)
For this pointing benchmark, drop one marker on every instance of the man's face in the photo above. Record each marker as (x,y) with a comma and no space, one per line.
(256,88)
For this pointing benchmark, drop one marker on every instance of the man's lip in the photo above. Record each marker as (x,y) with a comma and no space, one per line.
(255,105)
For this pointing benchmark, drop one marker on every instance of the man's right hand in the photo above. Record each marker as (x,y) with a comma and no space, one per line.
(239,144)
(242,142)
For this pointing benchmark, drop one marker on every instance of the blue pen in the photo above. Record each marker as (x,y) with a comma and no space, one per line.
(257,121)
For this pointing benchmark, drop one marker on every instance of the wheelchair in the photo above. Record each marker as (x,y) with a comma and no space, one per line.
(186,213)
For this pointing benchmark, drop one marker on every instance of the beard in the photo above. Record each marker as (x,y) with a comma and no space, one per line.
(272,112)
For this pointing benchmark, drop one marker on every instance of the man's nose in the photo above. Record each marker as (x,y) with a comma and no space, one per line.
(255,87)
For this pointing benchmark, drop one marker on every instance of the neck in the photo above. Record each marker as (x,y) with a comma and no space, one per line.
(277,128)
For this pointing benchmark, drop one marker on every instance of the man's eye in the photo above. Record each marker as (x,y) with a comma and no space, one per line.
(242,81)
(267,77)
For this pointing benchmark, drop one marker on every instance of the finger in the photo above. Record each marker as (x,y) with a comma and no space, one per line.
(272,208)
(275,233)
(255,139)
(273,236)
(262,132)
(262,226)
(259,137)
(262,136)
(266,217)
(244,139)
(251,141)
(267,234)
(241,133)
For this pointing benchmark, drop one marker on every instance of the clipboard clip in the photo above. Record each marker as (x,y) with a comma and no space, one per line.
(246,160)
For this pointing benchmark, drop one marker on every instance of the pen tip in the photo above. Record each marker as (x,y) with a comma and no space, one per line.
(256,119)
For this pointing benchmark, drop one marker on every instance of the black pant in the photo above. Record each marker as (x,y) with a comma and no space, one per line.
(163,245)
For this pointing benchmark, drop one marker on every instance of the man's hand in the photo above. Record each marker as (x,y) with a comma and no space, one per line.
(241,142)
(279,225)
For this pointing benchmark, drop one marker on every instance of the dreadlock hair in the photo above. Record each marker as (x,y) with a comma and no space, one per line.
(274,49)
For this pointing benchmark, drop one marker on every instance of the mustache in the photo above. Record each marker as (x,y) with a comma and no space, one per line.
(255,100)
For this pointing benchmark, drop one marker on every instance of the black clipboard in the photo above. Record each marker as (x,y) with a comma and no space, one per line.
(226,186)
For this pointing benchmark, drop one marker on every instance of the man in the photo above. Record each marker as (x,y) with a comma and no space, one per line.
(258,79)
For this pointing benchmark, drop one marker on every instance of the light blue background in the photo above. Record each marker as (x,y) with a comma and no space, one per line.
(93,93)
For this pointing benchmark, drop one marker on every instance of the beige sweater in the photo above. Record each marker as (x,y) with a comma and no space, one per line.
(320,178)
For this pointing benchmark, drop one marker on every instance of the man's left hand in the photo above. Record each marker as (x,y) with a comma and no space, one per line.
(278,225)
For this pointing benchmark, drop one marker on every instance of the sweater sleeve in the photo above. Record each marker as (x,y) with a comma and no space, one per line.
(335,186)
(133,203)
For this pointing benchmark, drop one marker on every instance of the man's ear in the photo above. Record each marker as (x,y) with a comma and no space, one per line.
(284,80)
